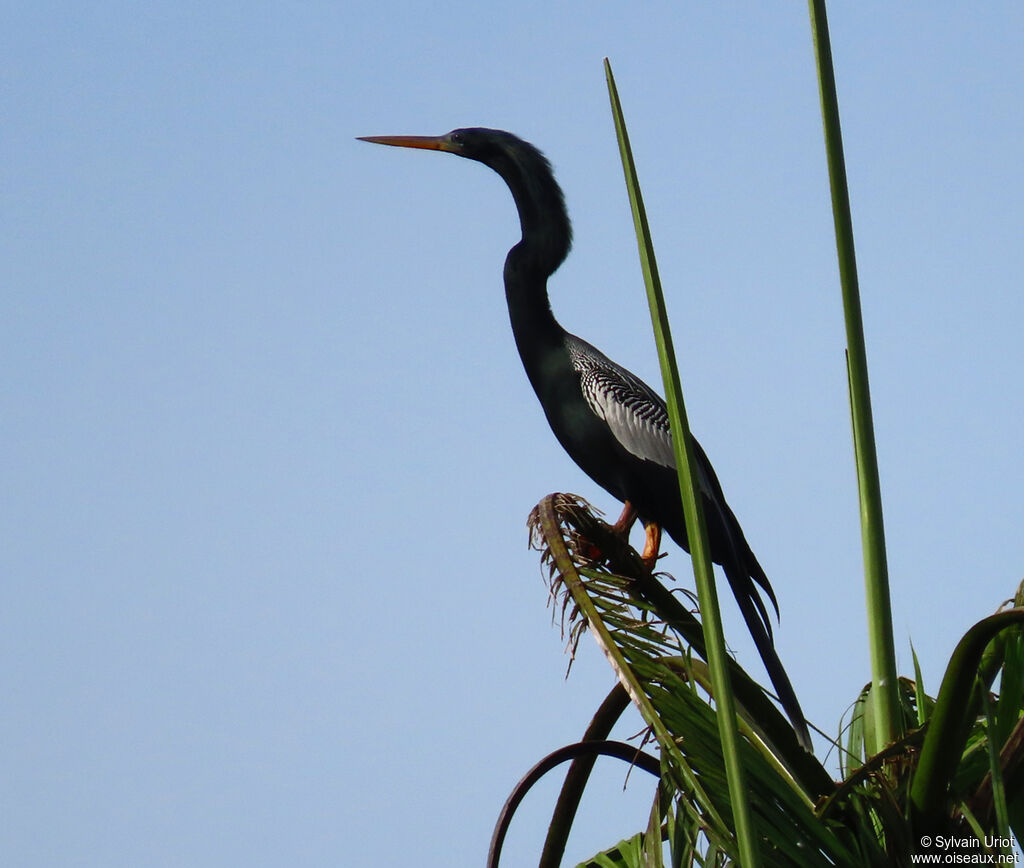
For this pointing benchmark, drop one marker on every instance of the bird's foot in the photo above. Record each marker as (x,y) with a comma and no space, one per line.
(621,528)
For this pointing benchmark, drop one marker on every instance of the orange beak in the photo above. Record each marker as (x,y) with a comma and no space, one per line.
(430,143)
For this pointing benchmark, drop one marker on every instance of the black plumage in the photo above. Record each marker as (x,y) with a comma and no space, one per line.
(610,422)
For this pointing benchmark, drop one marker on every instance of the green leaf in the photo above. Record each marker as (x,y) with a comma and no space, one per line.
(923,702)
(995,768)
(948,731)
(887,720)
(670,690)
(700,553)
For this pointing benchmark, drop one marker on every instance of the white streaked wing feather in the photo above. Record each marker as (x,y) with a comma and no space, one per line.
(640,425)
(635,413)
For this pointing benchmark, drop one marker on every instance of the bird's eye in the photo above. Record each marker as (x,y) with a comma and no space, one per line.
(456,138)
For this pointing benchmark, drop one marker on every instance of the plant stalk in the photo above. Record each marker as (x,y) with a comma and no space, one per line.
(700,555)
(888,723)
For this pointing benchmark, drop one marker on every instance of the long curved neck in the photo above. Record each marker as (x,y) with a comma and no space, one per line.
(547,237)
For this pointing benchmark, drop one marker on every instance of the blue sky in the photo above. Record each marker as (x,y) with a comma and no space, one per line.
(268,451)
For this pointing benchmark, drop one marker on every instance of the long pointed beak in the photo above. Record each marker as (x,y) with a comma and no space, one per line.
(430,143)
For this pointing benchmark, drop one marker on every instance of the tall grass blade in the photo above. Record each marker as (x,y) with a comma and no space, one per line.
(923,702)
(695,528)
(885,702)
(995,768)
(1011,680)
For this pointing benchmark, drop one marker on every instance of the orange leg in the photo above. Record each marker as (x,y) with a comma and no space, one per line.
(651,544)
(625,522)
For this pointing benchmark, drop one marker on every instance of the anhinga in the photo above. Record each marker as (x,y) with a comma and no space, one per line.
(611,423)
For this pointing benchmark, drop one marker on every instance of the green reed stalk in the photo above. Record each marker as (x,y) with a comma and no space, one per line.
(888,724)
(699,551)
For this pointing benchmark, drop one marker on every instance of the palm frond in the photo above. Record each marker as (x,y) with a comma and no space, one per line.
(656,666)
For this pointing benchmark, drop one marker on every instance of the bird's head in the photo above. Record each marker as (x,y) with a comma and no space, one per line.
(528,175)
(495,148)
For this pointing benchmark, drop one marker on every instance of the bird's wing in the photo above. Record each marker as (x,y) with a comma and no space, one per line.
(634,412)
(638,418)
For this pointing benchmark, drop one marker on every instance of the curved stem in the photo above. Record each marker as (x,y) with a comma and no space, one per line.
(948,728)
(618,749)
(576,778)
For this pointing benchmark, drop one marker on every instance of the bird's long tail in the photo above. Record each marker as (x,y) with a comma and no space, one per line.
(739,580)
(745,575)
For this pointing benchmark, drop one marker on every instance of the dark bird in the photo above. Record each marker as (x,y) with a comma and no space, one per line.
(612,424)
